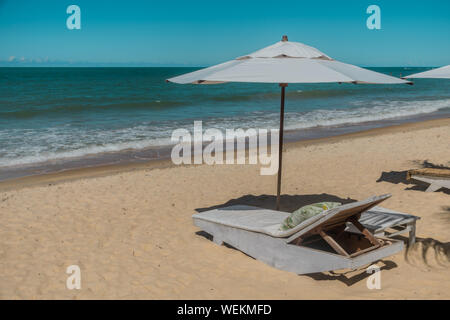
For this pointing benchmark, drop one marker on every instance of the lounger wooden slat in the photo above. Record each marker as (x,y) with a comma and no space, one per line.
(333,243)
(380,220)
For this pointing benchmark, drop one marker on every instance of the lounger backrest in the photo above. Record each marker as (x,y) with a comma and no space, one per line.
(334,216)
(431,172)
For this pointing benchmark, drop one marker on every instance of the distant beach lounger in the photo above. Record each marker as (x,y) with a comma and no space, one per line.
(320,243)
(437,178)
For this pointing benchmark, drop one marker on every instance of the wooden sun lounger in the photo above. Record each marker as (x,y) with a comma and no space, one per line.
(385,222)
(318,244)
(437,178)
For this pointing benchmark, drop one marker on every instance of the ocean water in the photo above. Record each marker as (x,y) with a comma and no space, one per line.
(57,114)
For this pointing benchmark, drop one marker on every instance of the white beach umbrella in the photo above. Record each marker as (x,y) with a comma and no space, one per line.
(285,62)
(439,73)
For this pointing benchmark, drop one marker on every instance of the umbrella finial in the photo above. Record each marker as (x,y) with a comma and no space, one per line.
(284,38)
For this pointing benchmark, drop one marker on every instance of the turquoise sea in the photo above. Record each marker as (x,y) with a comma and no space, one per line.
(51,116)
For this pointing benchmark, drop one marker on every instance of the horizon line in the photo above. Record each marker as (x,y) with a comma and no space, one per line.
(171,66)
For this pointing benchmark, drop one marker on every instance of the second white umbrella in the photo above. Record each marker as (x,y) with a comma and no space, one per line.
(439,73)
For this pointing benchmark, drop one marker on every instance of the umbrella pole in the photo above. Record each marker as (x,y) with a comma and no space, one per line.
(280,144)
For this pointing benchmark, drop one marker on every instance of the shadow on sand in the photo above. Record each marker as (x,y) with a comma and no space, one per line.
(350,280)
(288,203)
(397,177)
(423,246)
(427,164)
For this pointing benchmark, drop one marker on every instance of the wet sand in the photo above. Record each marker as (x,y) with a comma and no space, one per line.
(144,157)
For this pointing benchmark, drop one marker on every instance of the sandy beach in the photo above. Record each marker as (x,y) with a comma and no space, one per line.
(129,228)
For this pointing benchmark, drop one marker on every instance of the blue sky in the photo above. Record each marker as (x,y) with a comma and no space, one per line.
(201,33)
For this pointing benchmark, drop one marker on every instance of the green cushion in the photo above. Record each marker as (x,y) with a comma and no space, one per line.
(306,212)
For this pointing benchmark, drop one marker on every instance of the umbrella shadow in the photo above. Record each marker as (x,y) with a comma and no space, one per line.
(397,177)
(345,278)
(288,203)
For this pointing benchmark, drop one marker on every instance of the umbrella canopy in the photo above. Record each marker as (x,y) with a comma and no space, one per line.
(285,62)
(439,73)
